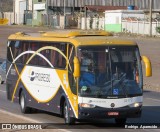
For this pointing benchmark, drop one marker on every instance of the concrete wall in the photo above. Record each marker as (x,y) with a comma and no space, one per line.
(91,23)
(10,17)
(139,27)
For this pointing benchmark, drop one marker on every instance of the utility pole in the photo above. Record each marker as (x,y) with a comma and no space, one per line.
(26,5)
(25,13)
(64,14)
(47,13)
(85,11)
(73,8)
(150,18)
(1,10)
(14,11)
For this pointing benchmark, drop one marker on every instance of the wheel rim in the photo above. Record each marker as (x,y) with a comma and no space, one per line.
(22,102)
(66,112)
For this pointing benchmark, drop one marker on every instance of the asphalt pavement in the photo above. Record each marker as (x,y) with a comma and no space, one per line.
(10,113)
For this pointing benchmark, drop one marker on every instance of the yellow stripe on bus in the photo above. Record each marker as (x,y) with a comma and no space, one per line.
(15,88)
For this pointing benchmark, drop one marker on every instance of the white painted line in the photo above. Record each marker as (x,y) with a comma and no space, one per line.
(19,116)
(27,119)
(3,91)
(154,99)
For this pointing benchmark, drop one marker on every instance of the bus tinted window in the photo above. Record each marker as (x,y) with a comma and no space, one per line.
(25,48)
(56,58)
(34,47)
(10,48)
(15,51)
(43,58)
(71,53)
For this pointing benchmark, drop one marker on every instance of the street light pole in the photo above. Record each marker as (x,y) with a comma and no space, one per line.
(25,13)
(64,13)
(150,17)
(14,10)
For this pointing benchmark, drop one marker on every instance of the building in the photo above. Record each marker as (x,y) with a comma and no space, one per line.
(52,12)
(20,6)
(39,8)
(113,18)
(56,5)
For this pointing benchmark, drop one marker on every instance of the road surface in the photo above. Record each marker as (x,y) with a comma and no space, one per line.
(150,114)
(151,106)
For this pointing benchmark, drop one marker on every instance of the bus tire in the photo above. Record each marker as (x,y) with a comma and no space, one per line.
(1,80)
(68,120)
(22,102)
(120,121)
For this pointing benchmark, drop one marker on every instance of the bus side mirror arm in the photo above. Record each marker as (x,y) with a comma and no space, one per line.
(76,67)
(148,67)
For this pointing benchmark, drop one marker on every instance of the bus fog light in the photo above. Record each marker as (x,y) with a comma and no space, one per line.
(85,105)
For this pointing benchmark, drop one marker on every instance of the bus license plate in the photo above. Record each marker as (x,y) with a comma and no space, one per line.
(113,113)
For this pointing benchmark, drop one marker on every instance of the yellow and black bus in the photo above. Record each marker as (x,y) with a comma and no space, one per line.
(77,74)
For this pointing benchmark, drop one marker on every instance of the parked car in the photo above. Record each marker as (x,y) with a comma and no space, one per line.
(3,72)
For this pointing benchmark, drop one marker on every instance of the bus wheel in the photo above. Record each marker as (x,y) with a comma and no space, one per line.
(1,80)
(68,120)
(22,101)
(120,121)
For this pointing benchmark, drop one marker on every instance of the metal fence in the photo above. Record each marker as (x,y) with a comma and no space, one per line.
(129,25)
(139,26)
(57,21)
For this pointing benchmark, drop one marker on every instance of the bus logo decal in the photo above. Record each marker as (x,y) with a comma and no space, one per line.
(32,76)
(35,76)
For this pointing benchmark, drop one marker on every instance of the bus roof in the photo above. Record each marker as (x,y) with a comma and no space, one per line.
(78,37)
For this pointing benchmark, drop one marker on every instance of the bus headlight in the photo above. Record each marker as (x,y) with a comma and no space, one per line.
(137,104)
(85,105)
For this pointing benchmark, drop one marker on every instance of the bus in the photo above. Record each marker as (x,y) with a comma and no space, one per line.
(78,74)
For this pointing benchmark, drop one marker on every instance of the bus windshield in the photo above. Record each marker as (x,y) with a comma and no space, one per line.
(110,71)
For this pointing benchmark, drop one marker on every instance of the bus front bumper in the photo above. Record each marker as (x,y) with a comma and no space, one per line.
(104,113)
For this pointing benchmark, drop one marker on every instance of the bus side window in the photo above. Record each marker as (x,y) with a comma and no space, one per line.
(54,58)
(72,83)
(25,47)
(63,48)
(17,51)
(46,54)
(34,47)
(60,61)
(10,51)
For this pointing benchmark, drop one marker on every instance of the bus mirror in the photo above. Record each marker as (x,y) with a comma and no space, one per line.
(148,67)
(76,67)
